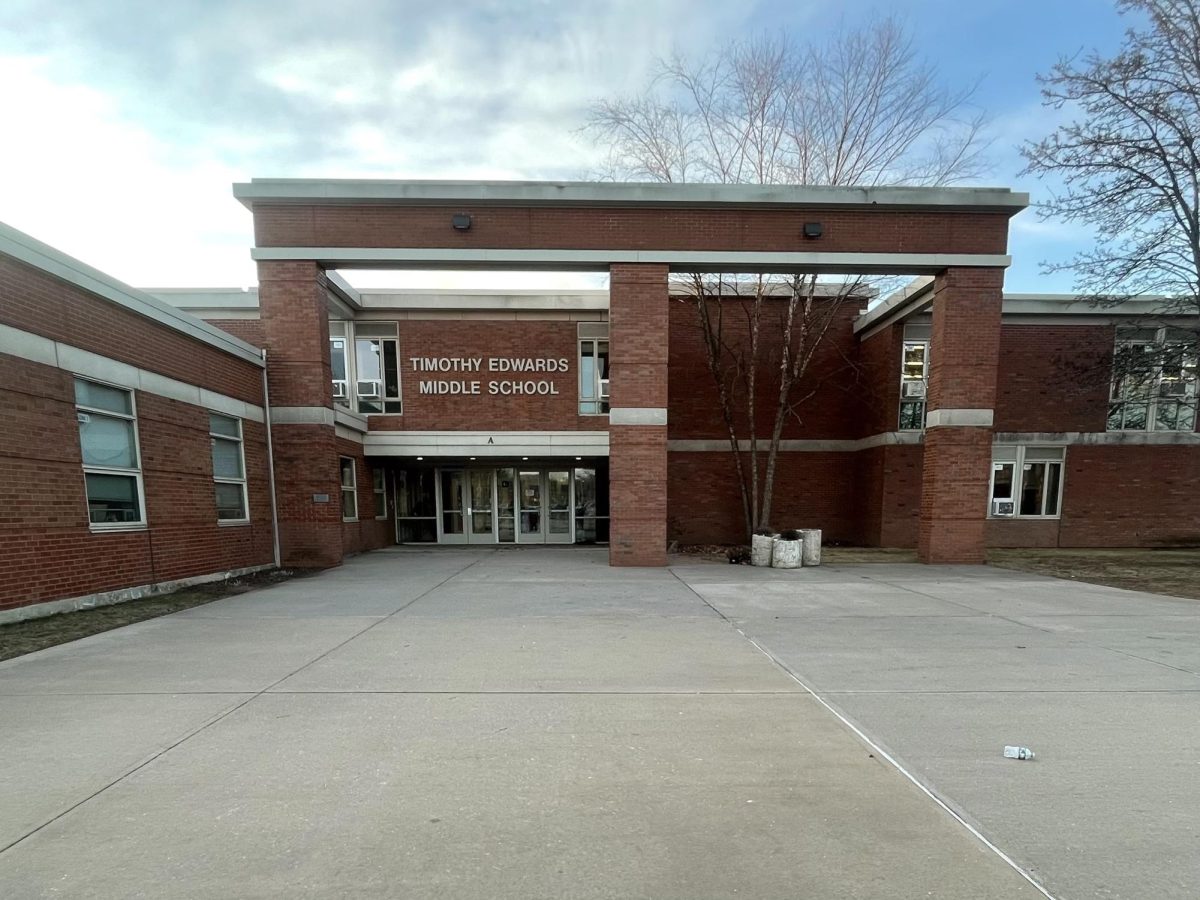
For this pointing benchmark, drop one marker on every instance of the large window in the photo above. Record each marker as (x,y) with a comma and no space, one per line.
(108,443)
(377,367)
(339,362)
(1027,482)
(229,468)
(416,506)
(914,380)
(593,369)
(1154,381)
(349,490)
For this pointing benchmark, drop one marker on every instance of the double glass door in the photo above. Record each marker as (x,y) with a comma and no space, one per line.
(505,505)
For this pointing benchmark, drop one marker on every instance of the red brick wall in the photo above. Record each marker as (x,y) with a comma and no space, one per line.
(249,330)
(862,231)
(368,533)
(486,339)
(639,307)
(34,301)
(49,551)
(1053,377)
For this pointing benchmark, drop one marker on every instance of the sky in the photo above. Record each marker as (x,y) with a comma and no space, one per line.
(129,120)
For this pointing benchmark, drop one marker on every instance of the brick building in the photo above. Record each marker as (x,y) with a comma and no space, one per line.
(950,417)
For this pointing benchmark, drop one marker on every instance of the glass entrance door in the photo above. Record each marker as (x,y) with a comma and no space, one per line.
(532,528)
(558,503)
(481,513)
(468,506)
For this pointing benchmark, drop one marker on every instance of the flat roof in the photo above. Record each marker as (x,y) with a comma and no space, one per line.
(32,252)
(347,191)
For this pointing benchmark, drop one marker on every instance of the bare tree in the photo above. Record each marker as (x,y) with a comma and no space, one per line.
(861,108)
(1128,160)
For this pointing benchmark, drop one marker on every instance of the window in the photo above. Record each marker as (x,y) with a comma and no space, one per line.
(229,468)
(1154,381)
(1027,482)
(108,443)
(914,379)
(377,367)
(379,484)
(339,363)
(349,490)
(593,369)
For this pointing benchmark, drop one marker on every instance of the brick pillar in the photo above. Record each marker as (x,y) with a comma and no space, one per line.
(295,319)
(958,434)
(637,429)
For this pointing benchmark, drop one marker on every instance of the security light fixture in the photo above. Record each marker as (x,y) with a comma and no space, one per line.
(461,222)
(812,230)
(419,458)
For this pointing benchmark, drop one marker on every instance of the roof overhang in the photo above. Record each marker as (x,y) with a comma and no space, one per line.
(307,191)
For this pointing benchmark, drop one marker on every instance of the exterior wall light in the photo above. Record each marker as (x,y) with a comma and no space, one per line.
(812,230)
(461,222)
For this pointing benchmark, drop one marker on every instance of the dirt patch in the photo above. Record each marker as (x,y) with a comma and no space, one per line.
(24,637)
(1175,573)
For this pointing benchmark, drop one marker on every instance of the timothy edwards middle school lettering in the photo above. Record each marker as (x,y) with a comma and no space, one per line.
(503,387)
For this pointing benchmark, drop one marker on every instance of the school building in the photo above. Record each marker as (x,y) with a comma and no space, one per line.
(164,438)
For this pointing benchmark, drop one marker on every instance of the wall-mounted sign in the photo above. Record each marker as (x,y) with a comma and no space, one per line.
(505,387)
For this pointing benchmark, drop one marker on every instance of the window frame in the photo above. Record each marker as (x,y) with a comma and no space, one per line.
(243,482)
(904,379)
(351,489)
(135,472)
(381,493)
(354,338)
(1018,462)
(603,404)
(339,330)
(1154,398)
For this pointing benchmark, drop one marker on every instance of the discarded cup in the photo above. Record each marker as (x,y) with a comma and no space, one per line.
(1018,753)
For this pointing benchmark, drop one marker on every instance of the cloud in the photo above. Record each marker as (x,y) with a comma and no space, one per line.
(136,115)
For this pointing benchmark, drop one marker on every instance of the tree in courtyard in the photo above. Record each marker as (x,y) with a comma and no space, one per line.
(1129,169)
(860,108)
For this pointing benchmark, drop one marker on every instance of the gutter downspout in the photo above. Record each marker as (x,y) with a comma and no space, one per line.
(270,463)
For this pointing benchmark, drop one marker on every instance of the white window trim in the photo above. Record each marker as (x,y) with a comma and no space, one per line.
(244,480)
(352,488)
(135,473)
(347,343)
(381,494)
(595,342)
(1152,402)
(904,378)
(1018,464)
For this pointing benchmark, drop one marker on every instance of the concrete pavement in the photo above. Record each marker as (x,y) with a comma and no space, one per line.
(531,723)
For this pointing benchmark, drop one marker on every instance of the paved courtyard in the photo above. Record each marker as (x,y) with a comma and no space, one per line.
(530,723)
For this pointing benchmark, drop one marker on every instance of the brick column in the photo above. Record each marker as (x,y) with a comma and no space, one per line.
(295,320)
(958,434)
(637,429)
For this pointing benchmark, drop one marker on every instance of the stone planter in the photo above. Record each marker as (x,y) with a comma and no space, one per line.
(812,546)
(761,546)
(787,554)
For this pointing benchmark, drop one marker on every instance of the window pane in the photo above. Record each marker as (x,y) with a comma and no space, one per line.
(107,442)
(602,358)
(1135,417)
(88,393)
(391,370)
(914,361)
(367,358)
(231,501)
(349,505)
(226,425)
(337,358)
(1166,416)
(112,498)
(1033,485)
(1187,418)
(1002,481)
(1054,478)
(414,493)
(227,458)
(587,372)
(378,479)
(347,472)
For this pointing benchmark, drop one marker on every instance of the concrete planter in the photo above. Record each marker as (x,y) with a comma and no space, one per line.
(812,546)
(787,554)
(761,546)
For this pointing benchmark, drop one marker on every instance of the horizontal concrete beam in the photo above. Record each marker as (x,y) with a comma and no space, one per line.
(645,194)
(435,444)
(600,260)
